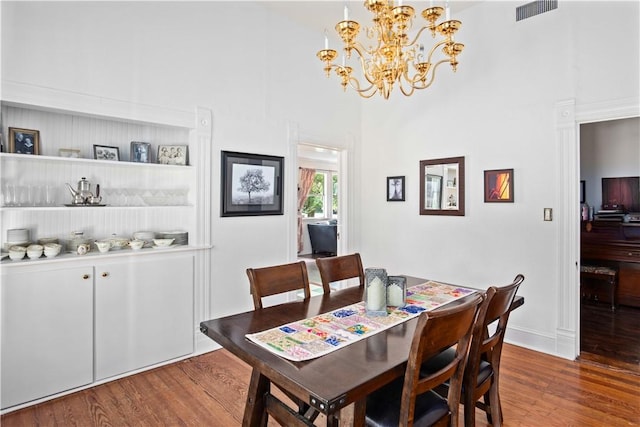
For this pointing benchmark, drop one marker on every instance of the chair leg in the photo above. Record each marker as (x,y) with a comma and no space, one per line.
(493,408)
(469,406)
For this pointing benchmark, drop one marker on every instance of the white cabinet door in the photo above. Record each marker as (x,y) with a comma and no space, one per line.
(47,332)
(143,312)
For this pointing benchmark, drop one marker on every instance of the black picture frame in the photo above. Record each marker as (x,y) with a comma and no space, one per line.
(140,152)
(395,189)
(498,186)
(24,141)
(106,152)
(267,177)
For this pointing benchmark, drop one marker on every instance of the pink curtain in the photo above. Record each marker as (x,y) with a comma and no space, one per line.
(305,181)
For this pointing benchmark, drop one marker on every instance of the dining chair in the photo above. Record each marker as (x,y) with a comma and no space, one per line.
(411,399)
(277,279)
(273,280)
(334,269)
(482,373)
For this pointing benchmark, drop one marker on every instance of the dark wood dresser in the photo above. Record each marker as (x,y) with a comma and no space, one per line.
(617,245)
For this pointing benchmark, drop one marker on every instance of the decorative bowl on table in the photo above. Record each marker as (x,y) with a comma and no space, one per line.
(136,245)
(103,245)
(17,252)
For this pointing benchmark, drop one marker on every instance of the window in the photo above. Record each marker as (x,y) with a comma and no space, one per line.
(322,201)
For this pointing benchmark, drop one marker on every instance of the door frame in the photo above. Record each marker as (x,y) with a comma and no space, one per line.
(569,116)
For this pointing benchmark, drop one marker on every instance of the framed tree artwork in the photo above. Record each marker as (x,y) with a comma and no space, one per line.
(251,184)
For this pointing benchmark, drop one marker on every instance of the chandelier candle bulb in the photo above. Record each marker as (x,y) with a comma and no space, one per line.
(346,13)
(376,291)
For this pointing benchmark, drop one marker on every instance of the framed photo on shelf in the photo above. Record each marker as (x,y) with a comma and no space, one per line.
(251,184)
(498,186)
(140,152)
(72,153)
(24,141)
(395,189)
(106,152)
(173,155)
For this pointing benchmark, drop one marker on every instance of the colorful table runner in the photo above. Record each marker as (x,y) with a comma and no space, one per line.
(316,336)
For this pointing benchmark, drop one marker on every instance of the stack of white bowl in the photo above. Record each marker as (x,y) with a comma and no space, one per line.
(17,237)
(34,251)
(17,252)
(179,237)
(146,236)
(52,249)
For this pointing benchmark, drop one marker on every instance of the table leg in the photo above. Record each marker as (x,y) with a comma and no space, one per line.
(254,411)
(359,411)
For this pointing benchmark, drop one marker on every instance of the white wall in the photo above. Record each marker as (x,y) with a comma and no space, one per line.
(608,149)
(236,58)
(498,112)
(266,88)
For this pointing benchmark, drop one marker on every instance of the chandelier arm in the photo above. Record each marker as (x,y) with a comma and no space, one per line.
(433,49)
(355,84)
(432,76)
(415,39)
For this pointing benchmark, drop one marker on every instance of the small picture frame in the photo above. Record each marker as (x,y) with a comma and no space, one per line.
(106,152)
(72,153)
(173,155)
(395,189)
(140,152)
(252,184)
(24,141)
(498,186)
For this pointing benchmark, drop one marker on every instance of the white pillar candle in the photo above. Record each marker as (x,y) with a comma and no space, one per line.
(447,11)
(346,13)
(376,295)
(326,40)
(394,296)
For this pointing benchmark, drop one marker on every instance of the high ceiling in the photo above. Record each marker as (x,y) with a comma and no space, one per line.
(324,14)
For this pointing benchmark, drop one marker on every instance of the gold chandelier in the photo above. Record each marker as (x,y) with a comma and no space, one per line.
(393,57)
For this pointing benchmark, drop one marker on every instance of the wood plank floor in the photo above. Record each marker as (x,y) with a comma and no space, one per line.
(608,337)
(210,390)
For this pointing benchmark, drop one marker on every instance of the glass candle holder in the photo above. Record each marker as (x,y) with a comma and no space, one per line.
(375,293)
(397,291)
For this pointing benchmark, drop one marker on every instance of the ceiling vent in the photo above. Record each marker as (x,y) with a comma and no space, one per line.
(535,8)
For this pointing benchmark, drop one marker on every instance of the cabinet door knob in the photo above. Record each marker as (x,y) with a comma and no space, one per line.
(105,274)
(85,276)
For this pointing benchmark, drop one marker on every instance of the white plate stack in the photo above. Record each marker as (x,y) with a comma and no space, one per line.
(17,237)
(179,237)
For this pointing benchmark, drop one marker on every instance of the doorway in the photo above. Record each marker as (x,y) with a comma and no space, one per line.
(319,174)
(606,336)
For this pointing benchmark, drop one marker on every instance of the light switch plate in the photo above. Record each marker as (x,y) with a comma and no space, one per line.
(548,214)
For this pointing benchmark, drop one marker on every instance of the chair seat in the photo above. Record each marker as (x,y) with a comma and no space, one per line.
(383,408)
(442,359)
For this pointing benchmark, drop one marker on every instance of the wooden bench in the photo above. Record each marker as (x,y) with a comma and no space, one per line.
(605,275)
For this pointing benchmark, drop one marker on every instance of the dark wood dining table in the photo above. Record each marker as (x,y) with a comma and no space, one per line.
(327,383)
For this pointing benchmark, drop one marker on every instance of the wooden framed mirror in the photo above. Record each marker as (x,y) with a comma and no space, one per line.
(442,186)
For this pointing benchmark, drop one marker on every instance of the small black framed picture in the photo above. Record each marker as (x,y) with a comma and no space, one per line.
(24,141)
(173,155)
(140,152)
(251,184)
(395,189)
(106,152)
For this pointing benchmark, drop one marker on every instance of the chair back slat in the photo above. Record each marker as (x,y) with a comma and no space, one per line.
(436,331)
(278,279)
(334,269)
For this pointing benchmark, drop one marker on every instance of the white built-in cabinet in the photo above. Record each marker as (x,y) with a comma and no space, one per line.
(143,312)
(47,331)
(76,320)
